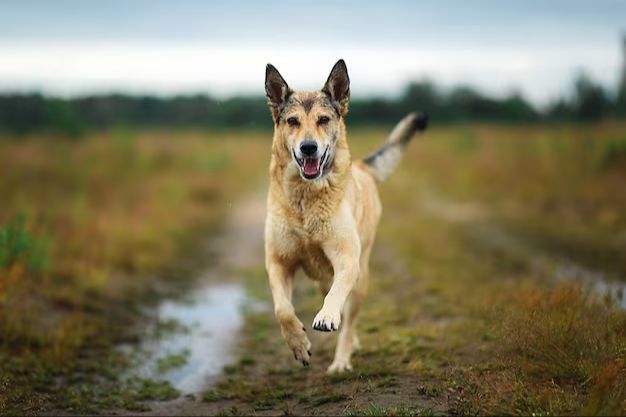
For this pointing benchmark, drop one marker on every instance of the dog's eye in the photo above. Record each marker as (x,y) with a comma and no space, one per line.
(293,121)
(323,120)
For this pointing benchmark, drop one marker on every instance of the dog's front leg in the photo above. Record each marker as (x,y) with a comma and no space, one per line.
(343,252)
(292,329)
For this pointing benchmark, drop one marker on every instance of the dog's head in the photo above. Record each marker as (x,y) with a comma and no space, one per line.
(308,124)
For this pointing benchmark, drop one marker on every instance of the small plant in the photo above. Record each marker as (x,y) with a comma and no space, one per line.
(247,360)
(19,248)
(149,390)
(173,361)
(391,411)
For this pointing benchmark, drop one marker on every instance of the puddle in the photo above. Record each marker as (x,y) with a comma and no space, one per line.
(198,340)
(595,281)
(480,228)
(195,336)
(552,266)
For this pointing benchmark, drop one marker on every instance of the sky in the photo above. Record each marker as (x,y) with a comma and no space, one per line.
(74,47)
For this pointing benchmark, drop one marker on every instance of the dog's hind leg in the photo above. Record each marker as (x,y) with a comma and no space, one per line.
(292,329)
(348,340)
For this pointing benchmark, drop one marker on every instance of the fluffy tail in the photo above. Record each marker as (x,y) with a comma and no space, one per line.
(385,159)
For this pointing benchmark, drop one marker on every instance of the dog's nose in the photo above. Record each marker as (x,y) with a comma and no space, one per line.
(308,147)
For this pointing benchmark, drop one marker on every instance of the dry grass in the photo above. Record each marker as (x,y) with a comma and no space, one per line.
(112,210)
(556,185)
(524,346)
(465,324)
(562,334)
(559,352)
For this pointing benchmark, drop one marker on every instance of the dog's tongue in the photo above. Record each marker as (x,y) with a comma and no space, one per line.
(311,166)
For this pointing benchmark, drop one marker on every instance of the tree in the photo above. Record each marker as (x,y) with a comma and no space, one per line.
(591,102)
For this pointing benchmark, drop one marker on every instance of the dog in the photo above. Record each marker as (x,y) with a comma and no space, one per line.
(323,209)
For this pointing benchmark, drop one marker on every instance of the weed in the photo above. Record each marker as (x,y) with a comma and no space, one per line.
(390,411)
(172,361)
(20,249)
(247,360)
(156,390)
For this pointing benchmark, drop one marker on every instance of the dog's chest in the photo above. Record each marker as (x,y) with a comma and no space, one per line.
(307,251)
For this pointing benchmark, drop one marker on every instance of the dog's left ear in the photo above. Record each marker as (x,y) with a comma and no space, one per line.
(337,87)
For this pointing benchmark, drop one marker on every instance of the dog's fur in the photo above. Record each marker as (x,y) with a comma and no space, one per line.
(323,210)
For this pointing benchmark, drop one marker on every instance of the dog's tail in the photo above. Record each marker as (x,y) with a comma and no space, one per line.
(384,160)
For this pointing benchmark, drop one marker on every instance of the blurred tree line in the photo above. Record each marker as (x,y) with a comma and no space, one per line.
(23,113)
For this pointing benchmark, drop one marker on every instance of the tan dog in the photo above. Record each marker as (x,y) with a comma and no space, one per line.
(323,210)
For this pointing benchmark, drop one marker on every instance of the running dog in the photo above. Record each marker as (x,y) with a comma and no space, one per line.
(322,208)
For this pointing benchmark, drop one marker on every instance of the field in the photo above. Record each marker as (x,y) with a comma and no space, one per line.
(495,251)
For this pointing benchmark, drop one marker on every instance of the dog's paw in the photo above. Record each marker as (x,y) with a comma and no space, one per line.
(300,346)
(339,366)
(327,322)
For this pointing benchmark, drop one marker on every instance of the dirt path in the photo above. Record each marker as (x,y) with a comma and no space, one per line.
(266,381)
(210,316)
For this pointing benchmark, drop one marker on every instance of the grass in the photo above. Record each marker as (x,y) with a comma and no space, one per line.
(537,347)
(392,411)
(554,183)
(20,251)
(172,361)
(459,320)
(553,353)
(86,230)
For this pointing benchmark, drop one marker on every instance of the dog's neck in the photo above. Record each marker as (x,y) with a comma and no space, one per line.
(310,200)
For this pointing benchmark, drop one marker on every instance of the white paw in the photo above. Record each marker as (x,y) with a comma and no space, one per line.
(339,366)
(326,321)
(299,345)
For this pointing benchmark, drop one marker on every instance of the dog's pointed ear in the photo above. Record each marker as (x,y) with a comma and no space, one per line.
(337,87)
(276,89)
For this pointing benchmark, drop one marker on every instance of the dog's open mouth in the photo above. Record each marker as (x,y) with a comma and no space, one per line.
(311,167)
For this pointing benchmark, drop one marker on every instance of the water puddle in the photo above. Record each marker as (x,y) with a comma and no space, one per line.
(193,339)
(595,281)
(480,227)
(550,265)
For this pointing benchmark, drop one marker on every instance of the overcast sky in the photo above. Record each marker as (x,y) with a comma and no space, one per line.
(186,46)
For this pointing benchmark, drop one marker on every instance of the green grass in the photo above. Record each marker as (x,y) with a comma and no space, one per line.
(172,361)
(391,411)
(20,251)
(156,390)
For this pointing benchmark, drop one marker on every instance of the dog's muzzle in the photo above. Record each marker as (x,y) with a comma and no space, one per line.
(310,167)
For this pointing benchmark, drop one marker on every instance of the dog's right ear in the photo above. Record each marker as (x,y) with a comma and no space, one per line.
(277,91)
